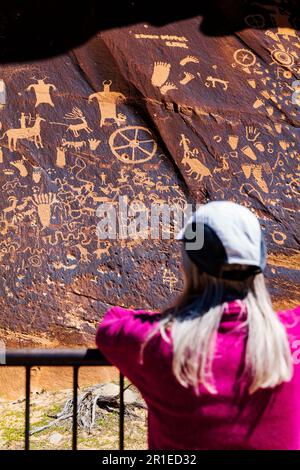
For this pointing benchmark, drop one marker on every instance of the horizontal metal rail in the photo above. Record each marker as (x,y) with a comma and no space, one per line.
(74,358)
(54,357)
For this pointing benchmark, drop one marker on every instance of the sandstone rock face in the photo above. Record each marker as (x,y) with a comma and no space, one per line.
(150,113)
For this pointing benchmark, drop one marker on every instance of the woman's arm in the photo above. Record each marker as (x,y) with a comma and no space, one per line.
(120,336)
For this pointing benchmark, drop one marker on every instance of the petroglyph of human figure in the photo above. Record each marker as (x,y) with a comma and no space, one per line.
(60,157)
(225,165)
(42,92)
(2,93)
(29,133)
(103,178)
(22,121)
(169,278)
(188,159)
(107,101)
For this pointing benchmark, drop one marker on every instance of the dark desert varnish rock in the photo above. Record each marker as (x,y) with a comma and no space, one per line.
(157,113)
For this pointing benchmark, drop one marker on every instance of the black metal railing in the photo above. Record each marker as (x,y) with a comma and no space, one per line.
(74,358)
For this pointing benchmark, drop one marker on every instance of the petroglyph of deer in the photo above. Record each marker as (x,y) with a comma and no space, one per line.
(82,126)
(29,133)
(195,165)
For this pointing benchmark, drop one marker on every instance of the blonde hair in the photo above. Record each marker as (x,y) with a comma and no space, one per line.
(194,321)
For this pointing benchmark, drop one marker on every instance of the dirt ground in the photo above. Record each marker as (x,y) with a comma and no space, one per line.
(104,435)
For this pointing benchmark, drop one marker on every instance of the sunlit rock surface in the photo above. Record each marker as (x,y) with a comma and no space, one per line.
(163,114)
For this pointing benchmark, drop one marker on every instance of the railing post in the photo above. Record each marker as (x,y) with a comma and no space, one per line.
(75,406)
(121,413)
(74,358)
(27,406)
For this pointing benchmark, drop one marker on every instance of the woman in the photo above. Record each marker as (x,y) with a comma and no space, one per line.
(215,369)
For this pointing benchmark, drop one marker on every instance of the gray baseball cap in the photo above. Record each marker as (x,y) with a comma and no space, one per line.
(231,234)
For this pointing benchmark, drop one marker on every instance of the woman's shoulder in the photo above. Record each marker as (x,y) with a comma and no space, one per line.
(131,316)
(290,317)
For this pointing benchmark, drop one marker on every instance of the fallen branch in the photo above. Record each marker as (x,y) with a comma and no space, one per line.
(105,397)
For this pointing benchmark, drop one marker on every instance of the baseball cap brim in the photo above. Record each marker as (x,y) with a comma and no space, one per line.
(231,236)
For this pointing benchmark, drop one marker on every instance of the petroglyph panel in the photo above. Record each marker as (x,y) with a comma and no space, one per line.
(180,123)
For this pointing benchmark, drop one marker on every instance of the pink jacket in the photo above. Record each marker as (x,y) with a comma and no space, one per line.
(177,418)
